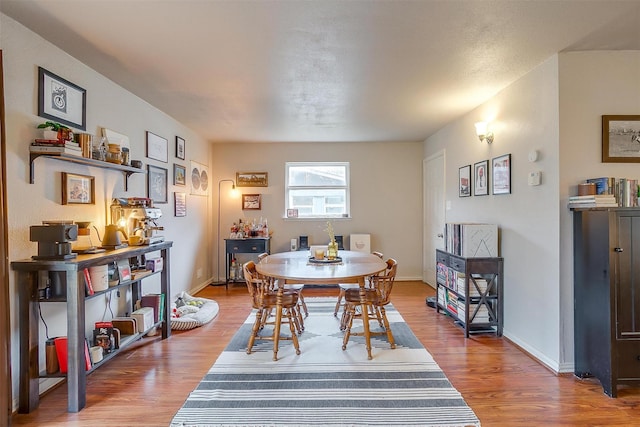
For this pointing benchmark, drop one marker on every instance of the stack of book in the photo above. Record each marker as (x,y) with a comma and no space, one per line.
(593,201)
(54,146)
(625,190)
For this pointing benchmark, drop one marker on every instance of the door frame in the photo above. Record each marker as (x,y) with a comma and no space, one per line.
(428,262)
(6,399)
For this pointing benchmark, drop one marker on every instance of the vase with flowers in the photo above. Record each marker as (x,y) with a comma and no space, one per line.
(332,247)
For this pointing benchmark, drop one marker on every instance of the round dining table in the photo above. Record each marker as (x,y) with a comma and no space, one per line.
(300,267)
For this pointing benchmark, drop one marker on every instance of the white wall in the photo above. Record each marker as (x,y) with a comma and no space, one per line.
(592,84)
(110,106)
(524,117)
(386,183)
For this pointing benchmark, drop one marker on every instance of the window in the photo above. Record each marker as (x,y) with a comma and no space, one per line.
(318,189)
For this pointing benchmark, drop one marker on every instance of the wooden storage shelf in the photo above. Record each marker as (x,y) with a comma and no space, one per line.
(29,275)
(127,170)
(459,288)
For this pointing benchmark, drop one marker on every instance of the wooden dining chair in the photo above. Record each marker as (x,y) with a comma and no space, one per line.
(297,287)
(342,289)
(376,298)
(265,301)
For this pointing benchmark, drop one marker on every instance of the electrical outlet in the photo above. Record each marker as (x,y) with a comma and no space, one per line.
(199,273)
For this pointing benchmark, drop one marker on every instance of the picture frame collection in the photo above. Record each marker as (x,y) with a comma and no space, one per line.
(484,175)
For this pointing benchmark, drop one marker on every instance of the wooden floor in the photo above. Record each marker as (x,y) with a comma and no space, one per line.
(148,383)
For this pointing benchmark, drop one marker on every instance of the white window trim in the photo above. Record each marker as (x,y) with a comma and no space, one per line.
(347,166)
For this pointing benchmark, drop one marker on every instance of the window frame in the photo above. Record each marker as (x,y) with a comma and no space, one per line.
(346,188)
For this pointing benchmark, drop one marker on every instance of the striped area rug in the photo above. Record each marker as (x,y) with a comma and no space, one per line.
(324,385)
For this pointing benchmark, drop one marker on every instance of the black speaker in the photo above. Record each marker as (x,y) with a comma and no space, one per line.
(304,243)
(339,241)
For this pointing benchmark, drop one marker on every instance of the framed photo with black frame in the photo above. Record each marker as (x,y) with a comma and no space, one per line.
(481,178)
(179,174)
(157,147)
(180,148)
(180,203)
(464,181)
(61,100)
(157,184)
(501,174)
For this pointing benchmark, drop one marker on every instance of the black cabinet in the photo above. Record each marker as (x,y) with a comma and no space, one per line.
(470,291)
(254,246)
(606,293)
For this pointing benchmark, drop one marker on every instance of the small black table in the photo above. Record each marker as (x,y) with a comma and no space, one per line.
(252,245)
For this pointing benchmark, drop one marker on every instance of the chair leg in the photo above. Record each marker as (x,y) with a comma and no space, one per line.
(303,304)
(348,314)
(294,337)
(383,314)
(339,303)
(257,325)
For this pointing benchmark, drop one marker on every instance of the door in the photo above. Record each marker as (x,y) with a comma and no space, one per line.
(434,213)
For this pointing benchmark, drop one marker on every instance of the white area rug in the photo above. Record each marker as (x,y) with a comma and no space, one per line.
(324,385)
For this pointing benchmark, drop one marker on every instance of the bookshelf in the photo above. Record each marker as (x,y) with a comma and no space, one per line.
(30,277)
(470,291)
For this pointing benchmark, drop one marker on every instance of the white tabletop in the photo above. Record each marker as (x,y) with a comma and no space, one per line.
(297,267)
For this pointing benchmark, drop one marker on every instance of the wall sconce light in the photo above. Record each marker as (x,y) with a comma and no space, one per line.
(234,193)
(483,132)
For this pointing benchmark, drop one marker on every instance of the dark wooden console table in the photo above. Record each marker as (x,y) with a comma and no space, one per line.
(256,245)
(30,273)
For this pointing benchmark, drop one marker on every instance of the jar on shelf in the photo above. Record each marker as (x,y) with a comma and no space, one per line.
(125,156)
(99,148)
(113,154)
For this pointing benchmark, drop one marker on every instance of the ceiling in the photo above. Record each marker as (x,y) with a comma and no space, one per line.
(276,71)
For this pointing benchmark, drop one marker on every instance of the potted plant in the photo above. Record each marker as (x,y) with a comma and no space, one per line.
(55,131)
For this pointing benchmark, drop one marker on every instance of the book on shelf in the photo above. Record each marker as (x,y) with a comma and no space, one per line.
(156,302)
(53,149)
(88,286)
(604,185)
(593,201)
(55,143)
(103,336)
(471,240)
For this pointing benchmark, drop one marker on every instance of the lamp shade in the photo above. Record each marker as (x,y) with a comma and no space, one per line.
(481,128)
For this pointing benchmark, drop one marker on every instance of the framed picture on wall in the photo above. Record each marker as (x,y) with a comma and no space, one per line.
(179,174)
(252,179)
(78,189)
(481,178)
(157,184)
(157,147)
(501,174)
(620,139)
(180,203)
(61,101)
(464,181)
(251,202)
(180,148)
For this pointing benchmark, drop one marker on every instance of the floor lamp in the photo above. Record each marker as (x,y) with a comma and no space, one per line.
(233,188)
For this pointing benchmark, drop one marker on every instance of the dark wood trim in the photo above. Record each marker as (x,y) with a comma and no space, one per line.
(5,337)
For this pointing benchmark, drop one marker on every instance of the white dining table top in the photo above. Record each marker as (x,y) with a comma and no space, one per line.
(297,267)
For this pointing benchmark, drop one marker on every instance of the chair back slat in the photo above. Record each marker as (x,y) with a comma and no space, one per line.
(383,283)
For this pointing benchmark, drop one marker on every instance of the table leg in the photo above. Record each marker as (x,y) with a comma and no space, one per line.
(276,327)
(365,316)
